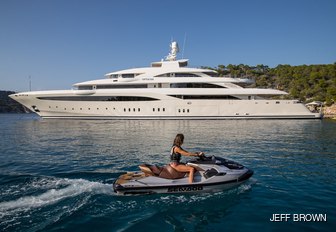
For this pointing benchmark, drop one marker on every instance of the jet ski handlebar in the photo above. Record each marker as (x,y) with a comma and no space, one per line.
(202,156)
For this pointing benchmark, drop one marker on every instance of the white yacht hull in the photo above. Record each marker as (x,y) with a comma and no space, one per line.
(165,109)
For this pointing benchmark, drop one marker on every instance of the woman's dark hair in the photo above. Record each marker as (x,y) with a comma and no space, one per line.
(178,140)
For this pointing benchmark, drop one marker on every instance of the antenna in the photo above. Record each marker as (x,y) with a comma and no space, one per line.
(184,41)
(29,83)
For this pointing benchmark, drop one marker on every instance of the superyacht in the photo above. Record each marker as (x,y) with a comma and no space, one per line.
(168,89)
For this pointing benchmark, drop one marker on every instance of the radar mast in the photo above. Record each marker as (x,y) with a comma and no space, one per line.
(174,49)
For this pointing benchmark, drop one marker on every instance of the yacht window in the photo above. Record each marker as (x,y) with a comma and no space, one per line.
(128,75)
(114,76)
(85,87)
(157,65)
(164,75)
(186,75)
(98,98)
(178,75)
(183,63)
(212,74)
(194,85)
(116,86)
(206,97)
(178,85)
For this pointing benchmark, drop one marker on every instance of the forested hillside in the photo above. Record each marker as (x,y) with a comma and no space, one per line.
(304,82)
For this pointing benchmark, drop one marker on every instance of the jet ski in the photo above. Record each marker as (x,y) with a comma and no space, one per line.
(211,174)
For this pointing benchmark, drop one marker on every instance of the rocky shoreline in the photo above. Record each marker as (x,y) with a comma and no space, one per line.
(8,105)
(329,111)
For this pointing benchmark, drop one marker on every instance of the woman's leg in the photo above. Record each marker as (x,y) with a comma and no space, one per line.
(184,168)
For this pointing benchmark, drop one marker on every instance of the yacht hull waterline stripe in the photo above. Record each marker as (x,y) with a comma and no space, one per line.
(178,117)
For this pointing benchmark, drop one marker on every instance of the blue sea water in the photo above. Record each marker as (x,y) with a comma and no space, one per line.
(57,175)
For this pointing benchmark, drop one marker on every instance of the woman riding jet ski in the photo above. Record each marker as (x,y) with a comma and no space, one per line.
(212,174)
(198,175)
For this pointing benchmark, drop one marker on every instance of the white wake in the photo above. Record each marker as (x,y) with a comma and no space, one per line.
(73,188)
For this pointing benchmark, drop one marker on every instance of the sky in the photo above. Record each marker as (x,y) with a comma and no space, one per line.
(56,43)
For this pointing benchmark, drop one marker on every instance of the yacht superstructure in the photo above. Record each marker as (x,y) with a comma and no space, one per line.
(168,89)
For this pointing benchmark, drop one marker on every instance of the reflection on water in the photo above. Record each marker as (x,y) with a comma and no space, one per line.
(63,169)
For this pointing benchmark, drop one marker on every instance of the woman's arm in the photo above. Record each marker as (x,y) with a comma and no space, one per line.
(183,152)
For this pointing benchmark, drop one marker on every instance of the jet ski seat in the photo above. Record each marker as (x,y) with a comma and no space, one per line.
(166,172)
